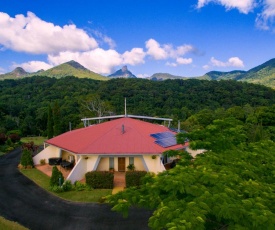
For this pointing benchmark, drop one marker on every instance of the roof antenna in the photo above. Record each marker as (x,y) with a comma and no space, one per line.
(125,104)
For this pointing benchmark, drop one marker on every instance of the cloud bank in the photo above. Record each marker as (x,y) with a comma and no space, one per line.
(231,62)
(32,35)
(265,18)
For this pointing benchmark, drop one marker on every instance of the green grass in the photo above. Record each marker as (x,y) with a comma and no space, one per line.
(43,181)
(36,140)
(10,225)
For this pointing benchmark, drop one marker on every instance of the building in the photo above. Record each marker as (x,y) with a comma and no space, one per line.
(112,144)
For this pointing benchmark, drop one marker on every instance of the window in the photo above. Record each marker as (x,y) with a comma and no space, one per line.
(111,162)
(131,160)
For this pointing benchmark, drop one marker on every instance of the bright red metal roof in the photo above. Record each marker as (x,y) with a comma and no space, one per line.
(108,138)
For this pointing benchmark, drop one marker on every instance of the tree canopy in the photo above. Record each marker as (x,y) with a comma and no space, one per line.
(230,186)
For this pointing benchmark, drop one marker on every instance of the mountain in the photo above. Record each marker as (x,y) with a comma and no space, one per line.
(217,75)
(18,72)
(163,76)
(122,73)
(71,68)
(263,74)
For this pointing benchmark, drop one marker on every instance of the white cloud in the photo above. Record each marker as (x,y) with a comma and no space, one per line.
(97,60)
(33,66)
(266,17)
(180,61)
(184,61)
(134,57)
(143,75)
(111,43)
(32,35)
(155,50)
(162,52)
(244,6)
(171,64)
(232,62)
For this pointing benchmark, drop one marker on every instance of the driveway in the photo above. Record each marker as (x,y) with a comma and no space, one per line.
(23,201)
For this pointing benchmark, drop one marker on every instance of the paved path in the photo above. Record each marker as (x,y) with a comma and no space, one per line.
(23,201)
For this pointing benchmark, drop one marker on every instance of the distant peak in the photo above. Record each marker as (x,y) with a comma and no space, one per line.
(19,71)
(123,73)
(124,68)
(75,65)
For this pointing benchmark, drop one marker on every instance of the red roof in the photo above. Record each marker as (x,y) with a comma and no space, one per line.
(108,138)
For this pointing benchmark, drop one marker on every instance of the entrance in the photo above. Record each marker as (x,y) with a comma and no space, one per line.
(121,164)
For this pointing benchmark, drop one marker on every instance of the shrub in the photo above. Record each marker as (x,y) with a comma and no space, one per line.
(14,137)
(100,179)
(26,159)
(42,161)
(67,186)
(133,178)
(57,178)
(3,138)
(131,167)
(78,186)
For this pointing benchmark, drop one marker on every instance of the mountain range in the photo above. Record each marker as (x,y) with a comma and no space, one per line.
(263,74)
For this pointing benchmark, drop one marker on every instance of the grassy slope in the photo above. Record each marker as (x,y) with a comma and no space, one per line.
(10,225)
(65,69)
(36,140)
(79,196)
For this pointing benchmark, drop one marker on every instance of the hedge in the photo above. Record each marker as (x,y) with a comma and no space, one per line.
(133,178)
(100,179)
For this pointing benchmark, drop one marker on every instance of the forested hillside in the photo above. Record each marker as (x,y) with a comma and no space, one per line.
(25,103)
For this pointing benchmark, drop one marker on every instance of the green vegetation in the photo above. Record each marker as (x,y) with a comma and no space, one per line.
(133,178)
(57,178)
(36,140)
(230,186)
(78,195)
(24,104)
(26,159)
(10,225)
(100,179)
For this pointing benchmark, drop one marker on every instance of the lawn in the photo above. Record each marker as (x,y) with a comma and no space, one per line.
(43,181)
(36,140)
(10,225)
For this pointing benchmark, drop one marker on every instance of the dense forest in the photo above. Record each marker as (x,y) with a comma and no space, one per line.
(26,104)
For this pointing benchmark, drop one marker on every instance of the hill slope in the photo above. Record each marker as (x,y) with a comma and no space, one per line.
(18,72)
(70,68)
(263,74)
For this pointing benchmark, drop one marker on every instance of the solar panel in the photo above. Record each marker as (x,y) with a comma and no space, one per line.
(165,139)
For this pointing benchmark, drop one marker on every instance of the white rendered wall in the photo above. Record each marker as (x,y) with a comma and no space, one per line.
(50,151)
(79,171)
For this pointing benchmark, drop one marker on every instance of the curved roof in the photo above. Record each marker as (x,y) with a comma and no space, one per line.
(109,138)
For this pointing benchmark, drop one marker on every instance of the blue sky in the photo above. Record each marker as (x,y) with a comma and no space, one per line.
(180,37)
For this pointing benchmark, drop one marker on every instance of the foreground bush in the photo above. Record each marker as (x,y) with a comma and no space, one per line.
(26,159)
(57,178)
(102,179)
(133,178)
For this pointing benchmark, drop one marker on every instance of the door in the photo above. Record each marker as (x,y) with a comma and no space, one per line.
(121,164)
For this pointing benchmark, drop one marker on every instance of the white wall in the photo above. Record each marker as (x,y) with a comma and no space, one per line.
(153,165)
(79,170)
(50,151)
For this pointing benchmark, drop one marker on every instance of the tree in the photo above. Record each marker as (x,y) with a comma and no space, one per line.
(220,135)
(26,159)
(50,122)
(231,189)
(56,119)
(57,177)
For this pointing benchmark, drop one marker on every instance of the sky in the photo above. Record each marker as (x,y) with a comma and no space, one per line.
(182,37)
